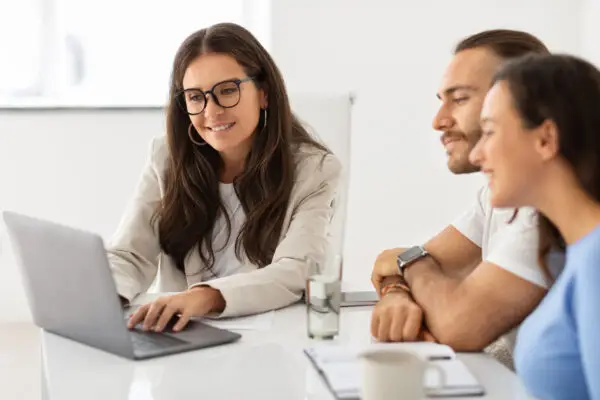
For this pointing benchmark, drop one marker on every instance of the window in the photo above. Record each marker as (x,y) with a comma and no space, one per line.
(102,52)
(20,47)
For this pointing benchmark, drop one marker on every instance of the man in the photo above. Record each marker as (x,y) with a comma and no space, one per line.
(478,278)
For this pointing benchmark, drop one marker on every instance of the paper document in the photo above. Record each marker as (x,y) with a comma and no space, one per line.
(341,369)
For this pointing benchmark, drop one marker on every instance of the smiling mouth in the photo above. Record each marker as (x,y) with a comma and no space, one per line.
(449,144)
(221,128)
(450,139)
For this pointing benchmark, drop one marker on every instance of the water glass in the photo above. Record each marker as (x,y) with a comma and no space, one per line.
(323,298)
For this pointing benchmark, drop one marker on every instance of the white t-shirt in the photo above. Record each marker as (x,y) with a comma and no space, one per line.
(513,246)
(226,262)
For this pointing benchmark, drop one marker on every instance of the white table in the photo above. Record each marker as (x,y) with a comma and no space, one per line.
(262,365)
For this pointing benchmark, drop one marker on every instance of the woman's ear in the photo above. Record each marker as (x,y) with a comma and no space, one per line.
(264,99)
(547,140)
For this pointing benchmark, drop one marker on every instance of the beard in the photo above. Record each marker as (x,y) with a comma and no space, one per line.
(458,156)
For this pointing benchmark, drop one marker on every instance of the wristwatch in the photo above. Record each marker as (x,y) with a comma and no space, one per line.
(409,256)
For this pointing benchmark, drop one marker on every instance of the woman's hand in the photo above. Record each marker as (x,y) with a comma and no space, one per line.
(195,302)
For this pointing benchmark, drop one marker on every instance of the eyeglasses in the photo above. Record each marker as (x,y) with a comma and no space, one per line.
(225,94)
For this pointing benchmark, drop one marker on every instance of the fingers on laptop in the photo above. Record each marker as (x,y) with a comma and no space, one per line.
(182,322)
(164,317)
(157,315)
(147,314)
(138,316)
(157,308)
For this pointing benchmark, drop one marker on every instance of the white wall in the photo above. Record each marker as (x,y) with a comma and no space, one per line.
(76,167)
(590,31)
(390,53)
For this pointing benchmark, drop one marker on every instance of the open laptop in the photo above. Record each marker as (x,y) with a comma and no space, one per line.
(71,293)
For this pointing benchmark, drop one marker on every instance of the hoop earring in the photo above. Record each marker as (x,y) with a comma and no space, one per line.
(190,134)
(265,119)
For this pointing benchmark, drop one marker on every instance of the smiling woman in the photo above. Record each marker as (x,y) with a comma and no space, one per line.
(541,149)
(238,185)
(227,122)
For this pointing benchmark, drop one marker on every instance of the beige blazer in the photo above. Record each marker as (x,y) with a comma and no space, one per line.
(136,258)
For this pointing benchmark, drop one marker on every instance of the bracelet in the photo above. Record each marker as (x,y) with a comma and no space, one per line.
(395,285)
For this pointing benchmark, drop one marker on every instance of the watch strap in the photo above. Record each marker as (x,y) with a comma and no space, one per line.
(402,265)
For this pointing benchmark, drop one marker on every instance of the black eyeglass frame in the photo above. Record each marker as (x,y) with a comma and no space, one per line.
(180,96)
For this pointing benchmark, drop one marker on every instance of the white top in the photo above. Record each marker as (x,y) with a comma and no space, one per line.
(226,261)
(137,259)
(513,246)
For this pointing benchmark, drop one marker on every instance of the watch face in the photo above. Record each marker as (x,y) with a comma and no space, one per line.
(410,254)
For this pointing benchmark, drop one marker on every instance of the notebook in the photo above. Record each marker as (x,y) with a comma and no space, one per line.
(340,368)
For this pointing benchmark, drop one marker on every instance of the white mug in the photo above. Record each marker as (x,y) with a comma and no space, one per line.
(395,374)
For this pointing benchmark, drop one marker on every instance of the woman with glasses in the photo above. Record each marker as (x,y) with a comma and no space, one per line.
(541,147)
(234,200)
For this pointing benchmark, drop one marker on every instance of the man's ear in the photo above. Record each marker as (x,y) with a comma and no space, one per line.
(547,142)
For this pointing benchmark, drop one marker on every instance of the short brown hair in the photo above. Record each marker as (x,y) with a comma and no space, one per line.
(505,43)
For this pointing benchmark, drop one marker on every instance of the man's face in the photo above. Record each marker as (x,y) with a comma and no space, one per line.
(463,89)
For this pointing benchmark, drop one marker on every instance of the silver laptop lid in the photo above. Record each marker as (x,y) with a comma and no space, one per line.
(68,282)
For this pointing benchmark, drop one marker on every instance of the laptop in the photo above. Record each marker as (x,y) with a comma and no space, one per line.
(71,293)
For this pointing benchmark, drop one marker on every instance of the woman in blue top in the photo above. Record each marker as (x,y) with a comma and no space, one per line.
(541,147)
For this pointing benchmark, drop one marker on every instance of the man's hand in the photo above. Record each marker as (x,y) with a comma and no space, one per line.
(397,318)
(195,302)
(385,266)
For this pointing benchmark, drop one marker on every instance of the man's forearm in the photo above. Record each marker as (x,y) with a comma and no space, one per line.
(450,271)
(443,305)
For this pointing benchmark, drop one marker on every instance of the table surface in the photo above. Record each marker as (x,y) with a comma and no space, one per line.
(264,364)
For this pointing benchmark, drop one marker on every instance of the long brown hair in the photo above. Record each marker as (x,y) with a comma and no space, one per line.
(191,202)
(566,90)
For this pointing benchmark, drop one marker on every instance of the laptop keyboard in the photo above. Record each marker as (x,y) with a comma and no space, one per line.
(148,341)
